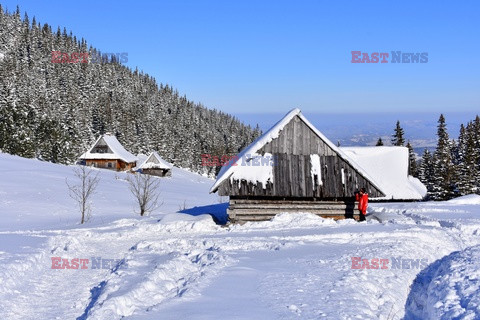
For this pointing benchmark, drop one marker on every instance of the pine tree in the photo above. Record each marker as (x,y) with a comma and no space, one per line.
(475,128)
(443,168)
(412,161)
(467,163)
(398,139)
(379,142)
(468,167)
(459,152)
(425,172)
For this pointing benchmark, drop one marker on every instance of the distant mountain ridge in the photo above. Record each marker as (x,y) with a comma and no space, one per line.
(365,129)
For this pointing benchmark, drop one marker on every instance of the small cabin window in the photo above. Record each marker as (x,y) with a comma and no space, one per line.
(109,165)
(101,149)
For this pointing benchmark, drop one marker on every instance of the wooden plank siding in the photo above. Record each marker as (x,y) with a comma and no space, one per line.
(264,209)
(158,172)
(292,171)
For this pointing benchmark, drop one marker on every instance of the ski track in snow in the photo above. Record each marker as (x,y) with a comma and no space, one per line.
(308,274)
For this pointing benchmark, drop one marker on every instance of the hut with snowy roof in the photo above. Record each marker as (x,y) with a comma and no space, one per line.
(108,153)
(154,165)
(293,167)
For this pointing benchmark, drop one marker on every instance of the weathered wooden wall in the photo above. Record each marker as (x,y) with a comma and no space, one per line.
(158,172)
(292,171)
(241,210)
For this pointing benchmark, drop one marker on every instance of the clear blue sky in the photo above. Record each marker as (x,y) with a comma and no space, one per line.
(266,56)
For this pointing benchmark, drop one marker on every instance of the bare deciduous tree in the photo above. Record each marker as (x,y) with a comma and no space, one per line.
(145,189)
(82,192)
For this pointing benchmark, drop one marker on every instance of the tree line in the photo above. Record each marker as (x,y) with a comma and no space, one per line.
(453,169)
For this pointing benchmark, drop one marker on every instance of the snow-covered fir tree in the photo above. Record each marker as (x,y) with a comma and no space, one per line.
(468,157)
(425,172)
(444,174)
(412,161)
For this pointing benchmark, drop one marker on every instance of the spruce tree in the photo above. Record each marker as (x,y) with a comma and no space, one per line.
(398,139)
(379,142)
(468,167)
(475,128)
(412,161)
(443,168)
(425,172)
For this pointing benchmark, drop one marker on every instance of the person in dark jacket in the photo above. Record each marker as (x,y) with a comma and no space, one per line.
(362,198)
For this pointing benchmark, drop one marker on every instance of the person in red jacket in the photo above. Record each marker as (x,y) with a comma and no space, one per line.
(362,198)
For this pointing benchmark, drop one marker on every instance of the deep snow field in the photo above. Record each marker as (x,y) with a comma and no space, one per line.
(423,258)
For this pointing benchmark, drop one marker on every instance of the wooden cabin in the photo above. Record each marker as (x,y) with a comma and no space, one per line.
(293,167)
(154,165)
(108,153)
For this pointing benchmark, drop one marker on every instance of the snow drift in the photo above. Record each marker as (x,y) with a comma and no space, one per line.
(447,289)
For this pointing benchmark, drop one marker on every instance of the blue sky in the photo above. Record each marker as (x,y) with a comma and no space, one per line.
(271,56)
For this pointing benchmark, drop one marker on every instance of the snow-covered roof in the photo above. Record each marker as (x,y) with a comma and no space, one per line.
(236,170)
(388,166)
(154,161)
(114,150)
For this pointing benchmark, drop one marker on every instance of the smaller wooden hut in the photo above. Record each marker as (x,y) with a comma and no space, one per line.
(154,165)
(108,153)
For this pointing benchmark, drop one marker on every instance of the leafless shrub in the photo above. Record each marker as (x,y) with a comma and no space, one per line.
(146,190)
(82,192)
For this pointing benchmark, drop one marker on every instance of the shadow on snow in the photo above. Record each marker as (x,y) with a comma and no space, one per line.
(217,211)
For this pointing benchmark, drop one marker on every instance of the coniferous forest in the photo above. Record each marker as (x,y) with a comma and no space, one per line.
(54,111)
(453,169)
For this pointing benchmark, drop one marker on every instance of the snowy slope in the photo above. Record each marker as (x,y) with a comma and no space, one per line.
(178,266)
(34,195)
